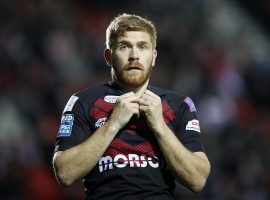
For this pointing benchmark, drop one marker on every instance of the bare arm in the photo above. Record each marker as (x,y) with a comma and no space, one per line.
(74,163)
(189,168)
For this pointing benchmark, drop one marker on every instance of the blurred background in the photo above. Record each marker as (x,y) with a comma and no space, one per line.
(215,51)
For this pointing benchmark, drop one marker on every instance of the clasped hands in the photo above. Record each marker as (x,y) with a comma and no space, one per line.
(128,104)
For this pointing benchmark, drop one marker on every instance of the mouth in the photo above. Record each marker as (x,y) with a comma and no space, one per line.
(134,66)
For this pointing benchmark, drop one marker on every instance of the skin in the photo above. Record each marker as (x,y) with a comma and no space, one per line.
(131,62)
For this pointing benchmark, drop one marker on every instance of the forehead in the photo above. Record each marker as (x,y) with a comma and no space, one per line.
(135,36)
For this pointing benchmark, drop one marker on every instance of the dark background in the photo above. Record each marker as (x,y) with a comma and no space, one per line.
(215,51)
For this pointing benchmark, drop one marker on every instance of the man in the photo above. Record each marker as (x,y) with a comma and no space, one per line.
(128,140)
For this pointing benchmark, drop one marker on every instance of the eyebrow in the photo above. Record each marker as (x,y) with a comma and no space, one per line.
(143,42)
(128,42)
(123,42)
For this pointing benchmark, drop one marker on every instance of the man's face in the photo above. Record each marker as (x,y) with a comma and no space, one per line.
(133,59)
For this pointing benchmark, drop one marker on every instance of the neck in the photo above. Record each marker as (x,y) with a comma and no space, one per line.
(138,90)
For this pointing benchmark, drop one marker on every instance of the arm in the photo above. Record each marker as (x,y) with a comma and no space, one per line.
(74,163)
(189,168)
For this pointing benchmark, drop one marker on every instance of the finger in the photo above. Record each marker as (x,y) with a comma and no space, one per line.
(152,97)
(134,109)
(132,99)
(134,105)
(143,108)
(128,97)
(136,114)
(149,93)
(147,97)
(144,101)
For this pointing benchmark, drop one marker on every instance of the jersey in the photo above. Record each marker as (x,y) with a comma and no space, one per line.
(132,167)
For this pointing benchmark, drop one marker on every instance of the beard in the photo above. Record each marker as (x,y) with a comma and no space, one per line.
(130,77)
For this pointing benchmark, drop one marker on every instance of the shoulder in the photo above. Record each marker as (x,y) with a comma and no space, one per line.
(167,94)
(86,97)
(174,99)
(91,92)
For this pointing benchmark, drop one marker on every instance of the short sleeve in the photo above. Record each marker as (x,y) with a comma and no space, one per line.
(188,126)
(74,127)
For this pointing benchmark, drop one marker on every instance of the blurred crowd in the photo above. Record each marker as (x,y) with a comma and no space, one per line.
(209,50)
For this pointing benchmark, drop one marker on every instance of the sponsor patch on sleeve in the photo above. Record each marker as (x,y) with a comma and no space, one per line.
(190,104)
(66,125)
(71,103)
(193,125)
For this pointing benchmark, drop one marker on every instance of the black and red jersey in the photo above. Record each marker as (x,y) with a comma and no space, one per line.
(132,167)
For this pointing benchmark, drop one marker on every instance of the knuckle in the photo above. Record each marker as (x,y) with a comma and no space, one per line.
(123,102)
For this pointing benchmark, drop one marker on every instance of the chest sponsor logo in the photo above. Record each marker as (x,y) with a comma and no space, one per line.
(110,99)
(193,125)
(100,122)
(130,160)
(66,125)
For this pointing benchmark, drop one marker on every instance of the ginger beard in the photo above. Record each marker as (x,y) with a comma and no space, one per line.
(133,74)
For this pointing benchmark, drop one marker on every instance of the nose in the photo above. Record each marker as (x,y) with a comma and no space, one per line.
(133,55)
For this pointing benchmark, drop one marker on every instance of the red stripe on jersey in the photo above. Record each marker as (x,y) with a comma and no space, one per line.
(165,106)
(135,126)
(103,105)
(168,113)
(101,109)
(123,147)
(97,113)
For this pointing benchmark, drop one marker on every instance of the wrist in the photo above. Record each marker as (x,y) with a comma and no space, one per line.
(112,126)
(160,129)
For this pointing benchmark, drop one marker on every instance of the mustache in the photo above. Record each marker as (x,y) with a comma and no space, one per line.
(134,65)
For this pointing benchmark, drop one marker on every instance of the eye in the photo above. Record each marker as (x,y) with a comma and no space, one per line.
(123,47)
(143,46)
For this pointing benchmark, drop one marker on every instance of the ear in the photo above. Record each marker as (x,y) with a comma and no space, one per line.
(154,58)
(108,56)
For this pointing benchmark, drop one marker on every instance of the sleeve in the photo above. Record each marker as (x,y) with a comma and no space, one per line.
(74,127)
(188,126)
